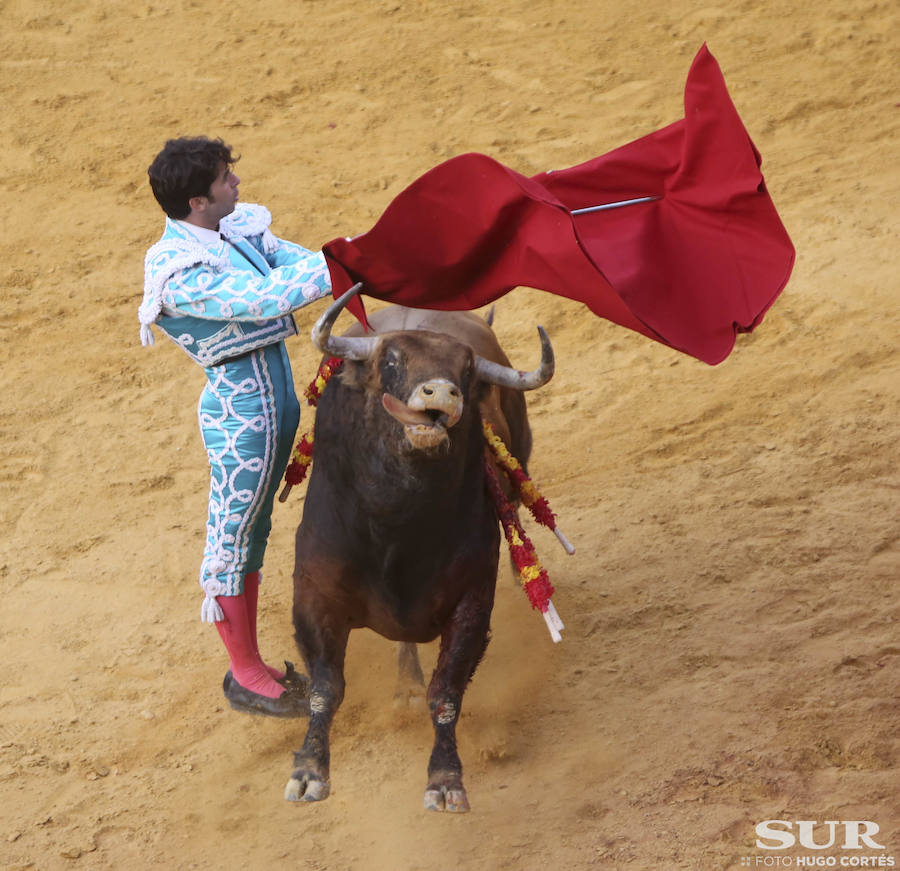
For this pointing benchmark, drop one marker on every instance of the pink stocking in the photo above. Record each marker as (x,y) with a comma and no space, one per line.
(246,666)
(251,592)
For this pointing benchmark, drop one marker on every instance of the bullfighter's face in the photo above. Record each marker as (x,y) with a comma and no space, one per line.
(222,197)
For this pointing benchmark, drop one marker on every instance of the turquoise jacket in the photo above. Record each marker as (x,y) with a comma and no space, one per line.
(223,299)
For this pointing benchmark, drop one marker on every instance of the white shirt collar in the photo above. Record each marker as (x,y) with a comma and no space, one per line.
(207,237)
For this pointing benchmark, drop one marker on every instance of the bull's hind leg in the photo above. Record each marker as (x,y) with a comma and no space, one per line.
(462,645)
(410,691)
(323,647)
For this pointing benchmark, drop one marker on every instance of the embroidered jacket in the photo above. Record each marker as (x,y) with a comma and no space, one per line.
(221,300)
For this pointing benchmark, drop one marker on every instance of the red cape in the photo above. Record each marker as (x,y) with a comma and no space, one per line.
(690,269)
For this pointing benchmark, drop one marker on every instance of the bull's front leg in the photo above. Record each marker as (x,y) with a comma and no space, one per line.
(323,649)
(410,690)
(463,643)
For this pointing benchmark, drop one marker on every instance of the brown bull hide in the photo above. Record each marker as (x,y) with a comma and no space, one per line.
(399,534)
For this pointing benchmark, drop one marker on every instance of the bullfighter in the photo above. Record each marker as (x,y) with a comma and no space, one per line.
(222,287)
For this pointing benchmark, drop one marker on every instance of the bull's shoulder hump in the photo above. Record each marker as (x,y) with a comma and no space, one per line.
(464,326)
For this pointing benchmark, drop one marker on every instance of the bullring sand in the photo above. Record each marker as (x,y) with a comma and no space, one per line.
(732,650)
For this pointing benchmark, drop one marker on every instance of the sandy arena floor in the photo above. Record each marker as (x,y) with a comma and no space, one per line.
(732,652)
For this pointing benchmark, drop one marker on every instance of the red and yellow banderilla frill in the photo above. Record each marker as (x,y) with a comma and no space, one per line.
(301,458)
(533,576)
(528,492)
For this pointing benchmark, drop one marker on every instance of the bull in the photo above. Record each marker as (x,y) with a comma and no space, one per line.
(399,533)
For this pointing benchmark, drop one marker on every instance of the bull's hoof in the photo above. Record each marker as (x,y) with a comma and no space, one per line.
(410,698)
(305,786)
(446,798)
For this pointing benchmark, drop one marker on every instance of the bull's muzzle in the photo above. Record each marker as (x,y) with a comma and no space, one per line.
(432,409)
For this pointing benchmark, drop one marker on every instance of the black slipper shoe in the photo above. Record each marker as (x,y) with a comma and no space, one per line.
(290,703)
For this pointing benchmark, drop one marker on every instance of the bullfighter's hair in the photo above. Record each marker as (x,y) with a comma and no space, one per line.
(186,168)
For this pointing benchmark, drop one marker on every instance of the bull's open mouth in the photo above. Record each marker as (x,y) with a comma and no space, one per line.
(438,417)
(436,421)
(424,429)
(422,437)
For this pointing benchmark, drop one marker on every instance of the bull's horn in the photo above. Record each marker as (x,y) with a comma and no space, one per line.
(341,346)
(504,376)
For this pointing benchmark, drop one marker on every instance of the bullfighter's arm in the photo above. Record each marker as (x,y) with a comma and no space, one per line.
(285,254)
(238,295)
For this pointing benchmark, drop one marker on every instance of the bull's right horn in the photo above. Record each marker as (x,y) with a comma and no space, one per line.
(341,346)
(505,376)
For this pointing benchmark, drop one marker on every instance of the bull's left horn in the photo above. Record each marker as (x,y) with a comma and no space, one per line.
(341,346)
(504,376)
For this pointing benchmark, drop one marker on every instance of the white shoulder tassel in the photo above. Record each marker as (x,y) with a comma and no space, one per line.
(211,611)
(147,335)
(269,241)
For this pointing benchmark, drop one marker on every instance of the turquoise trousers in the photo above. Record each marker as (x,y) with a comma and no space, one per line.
(248,418)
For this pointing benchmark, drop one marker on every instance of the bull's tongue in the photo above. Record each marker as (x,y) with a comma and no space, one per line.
(402,412)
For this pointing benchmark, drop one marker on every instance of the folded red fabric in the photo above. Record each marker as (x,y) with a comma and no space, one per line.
(691,268)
